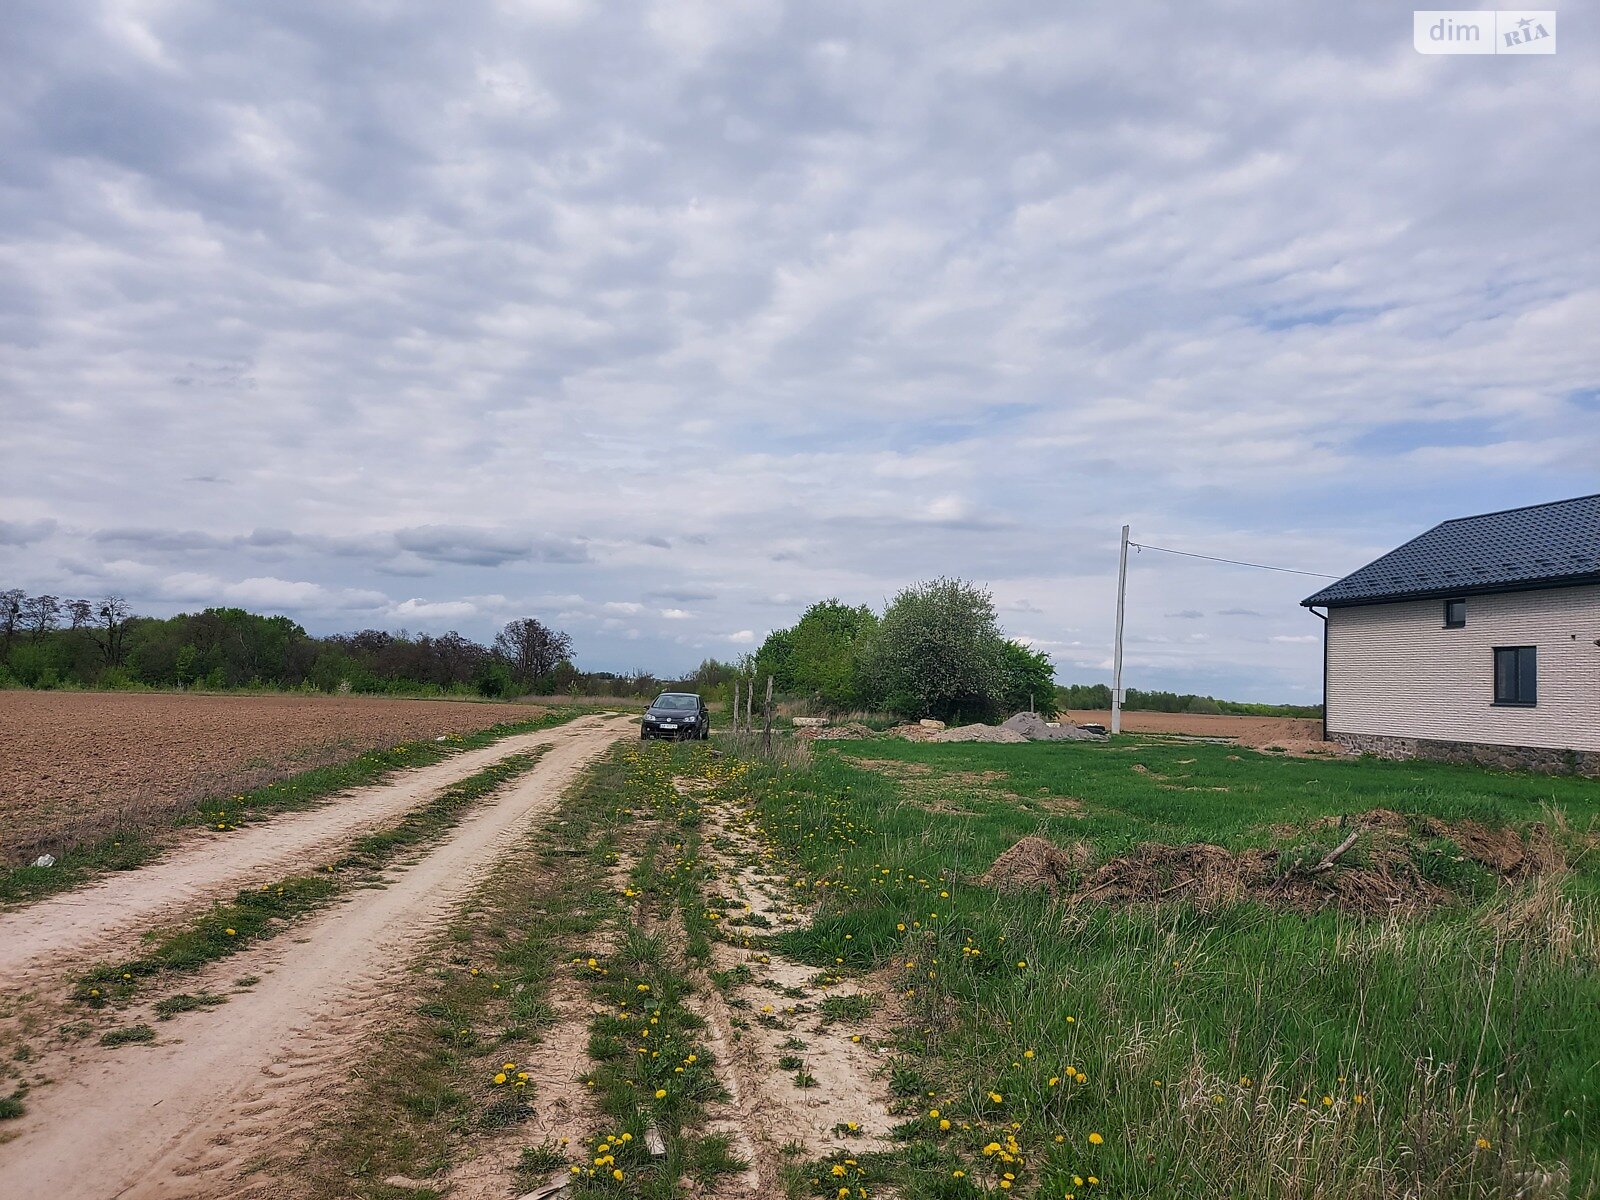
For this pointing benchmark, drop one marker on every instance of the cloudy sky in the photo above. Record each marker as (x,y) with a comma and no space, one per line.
(659,321)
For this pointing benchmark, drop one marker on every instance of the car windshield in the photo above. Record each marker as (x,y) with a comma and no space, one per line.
(671,703)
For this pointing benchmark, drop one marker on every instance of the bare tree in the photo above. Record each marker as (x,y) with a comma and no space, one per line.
(113,613)
(532,648)
(41,614)
(10,613)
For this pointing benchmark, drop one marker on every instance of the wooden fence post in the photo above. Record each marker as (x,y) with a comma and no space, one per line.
(766,736)
(734,722)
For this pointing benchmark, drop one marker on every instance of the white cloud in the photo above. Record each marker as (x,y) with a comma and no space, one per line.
(779,313)
(417,609)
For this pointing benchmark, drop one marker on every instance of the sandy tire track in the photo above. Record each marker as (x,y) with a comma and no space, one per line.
(79,923)
(183,1117)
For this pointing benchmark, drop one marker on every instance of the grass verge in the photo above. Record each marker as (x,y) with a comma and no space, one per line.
(535,970)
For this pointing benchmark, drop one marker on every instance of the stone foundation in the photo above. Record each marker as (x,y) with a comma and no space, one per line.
(1499,758)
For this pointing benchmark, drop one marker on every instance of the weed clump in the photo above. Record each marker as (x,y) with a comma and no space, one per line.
(1386,860)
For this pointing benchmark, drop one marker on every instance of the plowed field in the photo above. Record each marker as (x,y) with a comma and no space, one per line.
(1247,731)
(67,757)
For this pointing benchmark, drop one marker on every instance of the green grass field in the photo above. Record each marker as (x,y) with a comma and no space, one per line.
(1167,1050)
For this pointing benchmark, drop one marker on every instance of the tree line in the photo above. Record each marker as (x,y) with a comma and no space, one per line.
(935,651)
(46,642)
(1096,697)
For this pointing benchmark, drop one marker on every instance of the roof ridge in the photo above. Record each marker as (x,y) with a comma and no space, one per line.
(1517,508)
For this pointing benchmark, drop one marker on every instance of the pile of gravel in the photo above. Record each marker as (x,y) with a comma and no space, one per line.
(1034,728)
(978,733)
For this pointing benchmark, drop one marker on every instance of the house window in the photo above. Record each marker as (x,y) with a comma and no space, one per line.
(1455,614)
(1516,675)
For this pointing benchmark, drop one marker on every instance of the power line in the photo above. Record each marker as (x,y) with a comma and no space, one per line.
(1233,561)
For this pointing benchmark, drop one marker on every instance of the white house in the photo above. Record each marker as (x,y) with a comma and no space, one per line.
(1477,641)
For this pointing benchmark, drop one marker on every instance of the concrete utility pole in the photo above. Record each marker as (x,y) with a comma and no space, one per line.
(1116,658)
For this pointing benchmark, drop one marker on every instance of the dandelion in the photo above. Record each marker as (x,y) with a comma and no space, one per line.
(230,931)
(1095,1139)
(996,1098)
(661,1093)
(1483,1143)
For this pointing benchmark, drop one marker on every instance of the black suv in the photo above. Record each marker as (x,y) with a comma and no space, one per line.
(676,715)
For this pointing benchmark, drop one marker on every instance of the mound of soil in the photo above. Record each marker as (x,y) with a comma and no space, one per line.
(1208,876)
(1034,864)
(978,733)
(1386,873)
(912,733)
(1036,729)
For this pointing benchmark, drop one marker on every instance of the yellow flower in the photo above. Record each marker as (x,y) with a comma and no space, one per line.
(230,932)
(1483,1143)
(1095,1139)
(500,1077)
(617,1174)
(996,1098)
(661,1093)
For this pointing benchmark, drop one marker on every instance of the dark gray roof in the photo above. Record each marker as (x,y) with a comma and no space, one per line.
(1543,545)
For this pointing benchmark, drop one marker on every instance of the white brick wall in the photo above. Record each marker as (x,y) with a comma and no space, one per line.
(1393,669)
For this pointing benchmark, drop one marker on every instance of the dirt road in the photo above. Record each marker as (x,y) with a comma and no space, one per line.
(89,921)
(181,1117)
